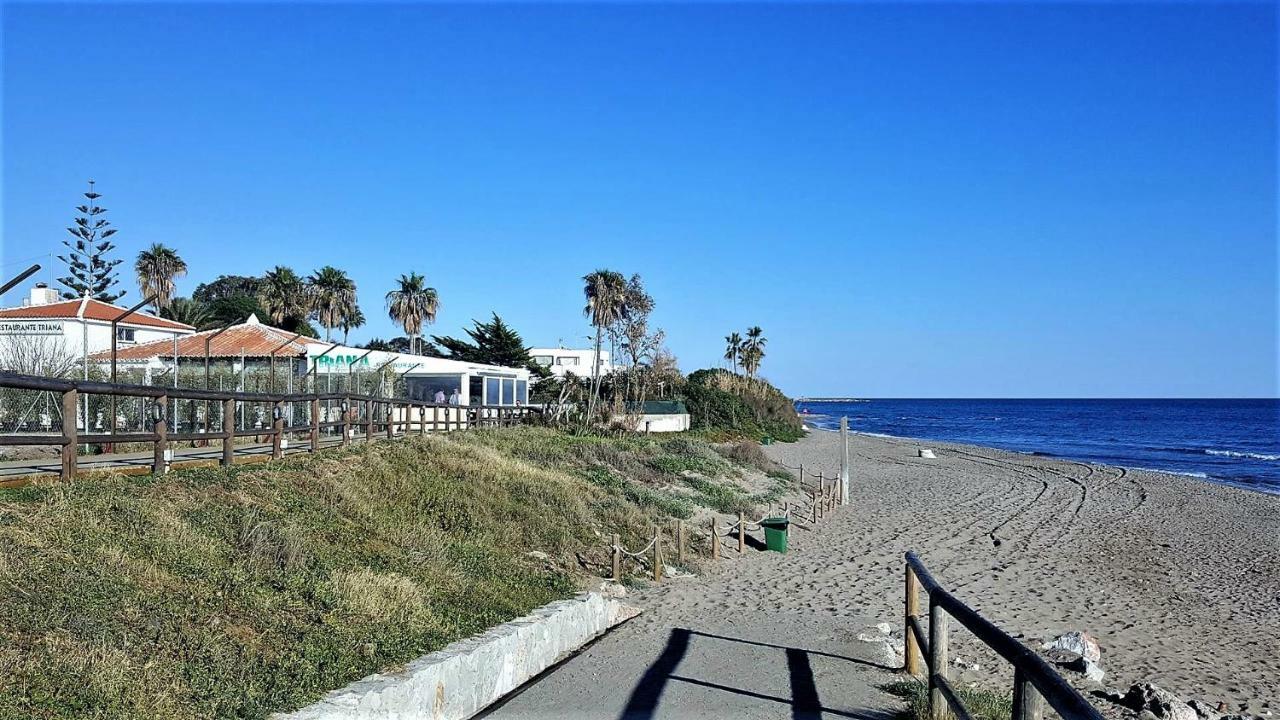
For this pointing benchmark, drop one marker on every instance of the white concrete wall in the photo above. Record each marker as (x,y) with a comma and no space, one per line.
(468,676)
(664,423)
(74,334)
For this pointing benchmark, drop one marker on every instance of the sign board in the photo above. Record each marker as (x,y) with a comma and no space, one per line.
(30,327)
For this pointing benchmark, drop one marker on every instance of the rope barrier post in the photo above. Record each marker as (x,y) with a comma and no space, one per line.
(742,534)
(912,655)
(657,553)
(822,496)
(844,461)
(801,476)
(617,558)
(680,542)
(715,540)
(813,504)
(939,664)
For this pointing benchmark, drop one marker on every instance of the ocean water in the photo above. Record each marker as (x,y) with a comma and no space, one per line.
(1236,442)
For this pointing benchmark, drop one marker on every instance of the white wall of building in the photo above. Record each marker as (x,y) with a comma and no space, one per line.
(561,361)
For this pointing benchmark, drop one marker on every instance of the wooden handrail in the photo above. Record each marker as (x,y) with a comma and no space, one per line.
(1034,678)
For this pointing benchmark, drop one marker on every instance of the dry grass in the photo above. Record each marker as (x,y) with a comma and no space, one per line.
(215,593)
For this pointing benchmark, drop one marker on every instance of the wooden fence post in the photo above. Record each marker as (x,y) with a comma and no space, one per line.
(657,553)
(228,431)
(715,540)
(277,424)
(912,654)
(742,533)
(70,409)
(368,421)
(939,662)
(617,558)
(813,507)
(161,432)
(680,542)
(1027,703)
(391,420)
(315,424)
(435,418)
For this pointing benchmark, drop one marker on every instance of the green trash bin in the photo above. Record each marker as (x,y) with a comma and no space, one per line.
(766,440)
(775,533)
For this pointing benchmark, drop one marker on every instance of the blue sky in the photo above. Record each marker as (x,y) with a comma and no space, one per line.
(913,200)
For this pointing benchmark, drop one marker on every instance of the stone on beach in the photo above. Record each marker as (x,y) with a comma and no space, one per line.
(1161,703)
(1079,643)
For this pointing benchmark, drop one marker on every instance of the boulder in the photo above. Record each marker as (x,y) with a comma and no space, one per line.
(1080,643)
(1151,698)
(1086,667)
(1204,710)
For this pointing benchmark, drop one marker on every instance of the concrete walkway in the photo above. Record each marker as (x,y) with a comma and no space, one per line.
(712,647)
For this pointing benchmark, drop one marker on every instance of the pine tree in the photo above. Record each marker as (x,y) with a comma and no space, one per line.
(89,269)
(492,343)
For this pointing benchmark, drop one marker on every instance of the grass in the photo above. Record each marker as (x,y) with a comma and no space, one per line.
(981,704)
(236,592)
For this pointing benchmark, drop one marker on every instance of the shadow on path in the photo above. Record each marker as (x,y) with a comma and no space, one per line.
(805,702)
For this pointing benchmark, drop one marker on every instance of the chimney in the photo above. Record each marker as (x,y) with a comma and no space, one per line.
(42,294)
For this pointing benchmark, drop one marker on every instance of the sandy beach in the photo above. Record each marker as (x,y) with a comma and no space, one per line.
(1178,578)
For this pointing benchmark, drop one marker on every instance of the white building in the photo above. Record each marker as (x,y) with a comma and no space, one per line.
(426,378)
(561,361)
(75,328)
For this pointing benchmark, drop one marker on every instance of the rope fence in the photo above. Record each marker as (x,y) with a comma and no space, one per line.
(821,501)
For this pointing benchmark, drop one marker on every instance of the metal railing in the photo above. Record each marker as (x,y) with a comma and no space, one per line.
(354,415)
(1034,681)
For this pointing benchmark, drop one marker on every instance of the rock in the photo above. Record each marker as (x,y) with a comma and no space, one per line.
(611,589)
(1080,643)
(885,628)
(1204,710)
(538,555)
(1151,698)
(1088,668)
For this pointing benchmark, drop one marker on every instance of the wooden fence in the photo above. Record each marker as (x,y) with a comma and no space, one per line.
(346,414)
(1034,682)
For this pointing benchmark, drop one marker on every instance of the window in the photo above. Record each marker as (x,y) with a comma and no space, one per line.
(125,334)
(423,388)
(543,359)
(492,387)
(567,360)
(508,391)
(522,392)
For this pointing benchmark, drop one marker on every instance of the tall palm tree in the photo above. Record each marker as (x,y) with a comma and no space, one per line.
(606,293)
(157,267)
(350,322)
(412,305)
(333,297)
(283,295)
(753,352)
(733,350)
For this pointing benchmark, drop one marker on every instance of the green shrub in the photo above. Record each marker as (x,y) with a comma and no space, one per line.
(981,704)
(720,401)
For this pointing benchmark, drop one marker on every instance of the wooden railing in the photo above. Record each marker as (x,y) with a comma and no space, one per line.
(1034,681)
(354,413)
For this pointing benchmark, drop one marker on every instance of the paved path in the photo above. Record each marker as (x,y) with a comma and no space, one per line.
(714,647)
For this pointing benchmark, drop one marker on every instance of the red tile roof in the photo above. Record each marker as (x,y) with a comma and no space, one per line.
(252,339)
(93,310)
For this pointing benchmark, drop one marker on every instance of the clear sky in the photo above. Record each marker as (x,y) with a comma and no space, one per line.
(963,200)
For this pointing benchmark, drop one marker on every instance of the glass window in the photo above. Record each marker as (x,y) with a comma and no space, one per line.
(522,392)
(432,388)
(543,359)
(508,391)
(567,360)
(475,390)
(125,334)
(492,388)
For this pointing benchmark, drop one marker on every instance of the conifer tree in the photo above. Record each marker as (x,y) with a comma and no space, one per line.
(90,270)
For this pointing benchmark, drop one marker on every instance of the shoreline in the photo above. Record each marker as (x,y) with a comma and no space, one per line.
(1178,578)
(1214,479)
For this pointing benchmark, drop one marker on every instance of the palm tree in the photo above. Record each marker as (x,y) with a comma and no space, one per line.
(187,311)
(733,350)
(753,352)
(283,294)
(351,322)
(333,297)
(606,293)
(157,267)
(412,305)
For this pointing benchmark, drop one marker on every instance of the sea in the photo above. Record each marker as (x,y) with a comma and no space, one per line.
(1235,442)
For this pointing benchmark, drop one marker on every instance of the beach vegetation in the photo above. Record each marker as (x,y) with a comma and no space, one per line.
(981,703)
(753,350)
(242,591)
(733,350)
(725,405)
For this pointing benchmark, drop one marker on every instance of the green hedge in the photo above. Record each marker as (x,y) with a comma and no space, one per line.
(722,402)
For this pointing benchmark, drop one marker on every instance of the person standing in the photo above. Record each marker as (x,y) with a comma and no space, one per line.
(439,398)
(454,399)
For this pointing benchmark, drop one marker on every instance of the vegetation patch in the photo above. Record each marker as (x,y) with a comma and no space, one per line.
(981,704)
(724,405)
(237,592)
